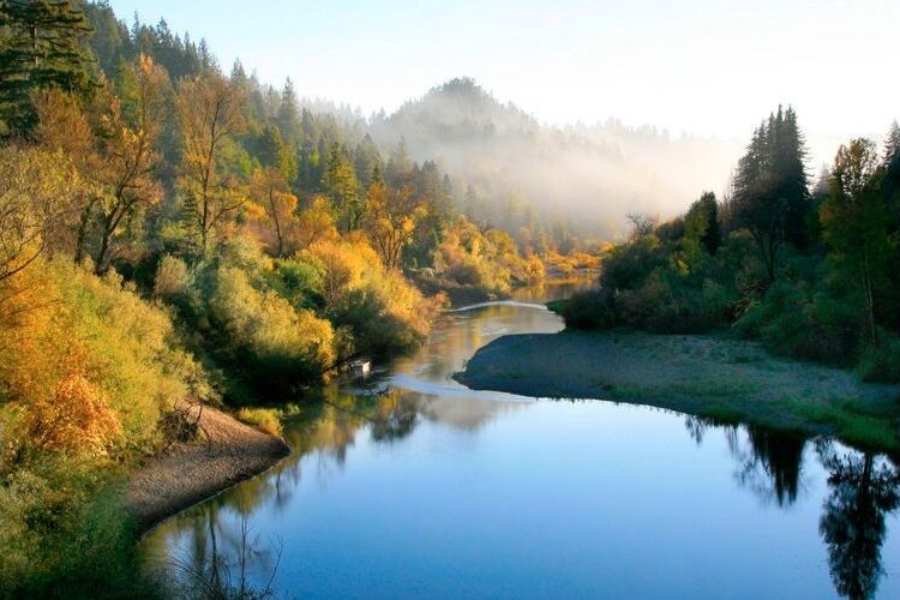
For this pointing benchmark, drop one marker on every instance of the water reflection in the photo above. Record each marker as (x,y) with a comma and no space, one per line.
(416,481)
(864,489)
(219,558)
(769,463)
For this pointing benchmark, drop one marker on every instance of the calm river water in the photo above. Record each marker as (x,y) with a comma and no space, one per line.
(411,485)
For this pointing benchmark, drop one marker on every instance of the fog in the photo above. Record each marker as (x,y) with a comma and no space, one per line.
(510,171)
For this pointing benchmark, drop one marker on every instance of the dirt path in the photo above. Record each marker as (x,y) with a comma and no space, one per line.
(190,473)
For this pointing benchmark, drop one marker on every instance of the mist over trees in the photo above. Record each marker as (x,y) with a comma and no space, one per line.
(532,179)
(811,273)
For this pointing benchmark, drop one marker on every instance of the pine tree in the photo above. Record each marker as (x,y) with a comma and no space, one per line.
(771,195)
(41,46)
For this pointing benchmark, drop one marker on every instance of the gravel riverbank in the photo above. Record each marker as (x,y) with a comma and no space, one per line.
(190,473)
(711,375)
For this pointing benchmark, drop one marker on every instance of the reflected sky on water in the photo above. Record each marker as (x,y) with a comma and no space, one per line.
(410,485)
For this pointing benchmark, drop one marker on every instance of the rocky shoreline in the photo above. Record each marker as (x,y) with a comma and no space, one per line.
(187,474)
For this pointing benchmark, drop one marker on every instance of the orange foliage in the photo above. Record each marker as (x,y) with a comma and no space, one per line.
(74,418)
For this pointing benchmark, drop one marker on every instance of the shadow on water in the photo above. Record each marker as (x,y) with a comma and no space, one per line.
(864,489)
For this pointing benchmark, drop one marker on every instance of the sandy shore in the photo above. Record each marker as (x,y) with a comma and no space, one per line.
(712,376)
(190,473)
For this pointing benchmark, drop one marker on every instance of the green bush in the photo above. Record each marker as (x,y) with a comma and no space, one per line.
(592,309)
(805,321)
(881,362)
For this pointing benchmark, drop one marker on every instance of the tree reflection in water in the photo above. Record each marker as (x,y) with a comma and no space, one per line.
(221,561)
(773,464)
(769,463)
(864,490)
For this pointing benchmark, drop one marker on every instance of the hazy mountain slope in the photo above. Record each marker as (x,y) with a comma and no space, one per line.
(520,173)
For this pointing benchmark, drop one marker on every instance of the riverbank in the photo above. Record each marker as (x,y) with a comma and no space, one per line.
(190,473)
(712,376)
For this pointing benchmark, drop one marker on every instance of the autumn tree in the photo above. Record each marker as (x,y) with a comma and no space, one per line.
(210,112)
(316,222)
(64,128)
(129,156)
(270,188)
(38,193)
(392,219)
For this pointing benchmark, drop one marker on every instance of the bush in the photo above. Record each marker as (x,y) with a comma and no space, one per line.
(881,363)
(593,309)
(264,339)
(798,319)
(266,420)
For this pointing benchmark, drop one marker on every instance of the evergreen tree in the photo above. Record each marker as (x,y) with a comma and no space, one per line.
(288,117)
(340,184)
(771,196)
(41,46)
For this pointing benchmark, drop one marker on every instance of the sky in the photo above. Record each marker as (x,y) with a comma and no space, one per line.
(704,67)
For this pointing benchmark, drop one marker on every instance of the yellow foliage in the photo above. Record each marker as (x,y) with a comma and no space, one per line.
(73,419)
(264,419)
(86,362)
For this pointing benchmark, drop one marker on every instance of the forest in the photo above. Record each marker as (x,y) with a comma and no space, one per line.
(171,231)
(809,270)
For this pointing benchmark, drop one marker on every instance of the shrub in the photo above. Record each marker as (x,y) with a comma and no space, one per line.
(881,362)
(266,420)
(592,309)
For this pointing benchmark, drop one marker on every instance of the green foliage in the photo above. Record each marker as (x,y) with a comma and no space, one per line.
(592,309)
(65,534)
(806,320)
(268,342)
(881,362)
(41,48)
(251,318)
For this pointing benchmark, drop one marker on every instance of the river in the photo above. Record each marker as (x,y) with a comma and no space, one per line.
(409,485)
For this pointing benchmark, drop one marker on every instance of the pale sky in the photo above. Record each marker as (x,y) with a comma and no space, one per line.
(708,67)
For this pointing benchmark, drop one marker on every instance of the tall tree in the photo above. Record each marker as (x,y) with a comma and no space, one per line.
(393,216)
(771,196)
(855,224)
(129,155)
(210,112)
(40,47)
(339,183)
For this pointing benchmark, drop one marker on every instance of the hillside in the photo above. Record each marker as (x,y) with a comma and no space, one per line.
(515,172)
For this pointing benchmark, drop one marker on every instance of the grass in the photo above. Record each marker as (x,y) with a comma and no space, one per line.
(267,420)
(712,376)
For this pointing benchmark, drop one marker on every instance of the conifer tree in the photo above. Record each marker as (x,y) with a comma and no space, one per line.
(771,195)
(40,47)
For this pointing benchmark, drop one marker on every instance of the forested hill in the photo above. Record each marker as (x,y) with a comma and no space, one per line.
(525,176)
